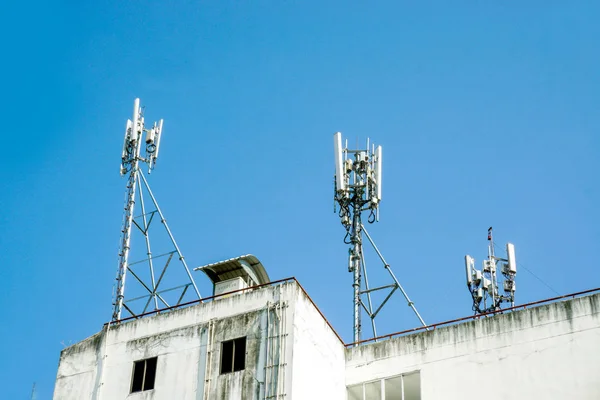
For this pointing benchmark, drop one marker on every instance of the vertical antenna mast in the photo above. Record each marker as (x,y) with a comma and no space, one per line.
(483,285)
(358,178)
(138,188)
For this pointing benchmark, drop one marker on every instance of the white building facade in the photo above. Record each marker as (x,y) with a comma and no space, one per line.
(273,343)
(267,343)
(547,352)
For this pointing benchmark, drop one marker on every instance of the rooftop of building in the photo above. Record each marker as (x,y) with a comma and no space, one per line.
(501,316)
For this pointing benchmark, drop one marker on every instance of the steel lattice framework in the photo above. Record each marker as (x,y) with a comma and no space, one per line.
(153,290)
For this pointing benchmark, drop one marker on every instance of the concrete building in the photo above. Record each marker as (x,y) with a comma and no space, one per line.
(272,342)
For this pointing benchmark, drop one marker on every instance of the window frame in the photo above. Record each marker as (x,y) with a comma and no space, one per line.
(362,385)
(241,353)
(144,374)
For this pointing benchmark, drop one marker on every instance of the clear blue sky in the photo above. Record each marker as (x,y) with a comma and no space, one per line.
(488,113)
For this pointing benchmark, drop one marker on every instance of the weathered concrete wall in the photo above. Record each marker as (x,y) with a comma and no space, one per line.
(318,356)
(78,368)
(233,385)
(547,352)
(187,343)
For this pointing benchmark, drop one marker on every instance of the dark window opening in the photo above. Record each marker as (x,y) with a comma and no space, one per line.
(144,375)
(233,355)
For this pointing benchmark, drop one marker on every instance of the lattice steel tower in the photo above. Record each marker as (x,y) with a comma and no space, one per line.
(149,294)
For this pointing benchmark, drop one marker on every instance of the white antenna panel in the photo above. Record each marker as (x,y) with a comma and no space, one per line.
(136,119)
(340,182)
(128,129)
(469,263)
(378,158)
(512,262)
(158,137)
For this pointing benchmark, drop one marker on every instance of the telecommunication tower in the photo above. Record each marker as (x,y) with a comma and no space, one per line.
(357,189)
(155,287)
(483,285)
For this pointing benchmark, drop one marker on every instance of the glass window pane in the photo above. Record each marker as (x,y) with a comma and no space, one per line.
(150,373)
(355,392)
(138,376)
(393,388)
(412,386)
(373,390)
(239,357)
(227,357)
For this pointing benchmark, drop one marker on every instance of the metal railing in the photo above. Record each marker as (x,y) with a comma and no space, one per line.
(189,303)
(474,317)
(374,339)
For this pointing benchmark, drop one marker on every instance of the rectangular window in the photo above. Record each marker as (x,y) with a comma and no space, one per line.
(401,387)
(233,355)
(412,386)
(144,374)
(394,388)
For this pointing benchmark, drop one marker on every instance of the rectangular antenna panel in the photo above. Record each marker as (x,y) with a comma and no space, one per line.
(136,119)
(340,182)
(469,269)
(135,124)
(512,262)
(128,130)
(378,167)
(158,137)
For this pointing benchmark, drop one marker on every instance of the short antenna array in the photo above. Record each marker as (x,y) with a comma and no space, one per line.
(484,284)
(151,272)
(357,190)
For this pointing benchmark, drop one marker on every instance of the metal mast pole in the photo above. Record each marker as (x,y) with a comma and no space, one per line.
(135,136)
(357,188)
(356,263)
(492,261)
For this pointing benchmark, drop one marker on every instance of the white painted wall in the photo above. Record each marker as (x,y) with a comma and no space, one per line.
(187,343)
(548,352)
(318,356)
(97,368)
